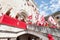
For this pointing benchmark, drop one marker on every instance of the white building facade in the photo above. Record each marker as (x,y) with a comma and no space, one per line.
(8,32)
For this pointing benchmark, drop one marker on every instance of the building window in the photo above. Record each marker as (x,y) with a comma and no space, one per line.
(9,38)
(59,22)
(57,17)
(16,17)
(32,5)
(8,12)
(27,0)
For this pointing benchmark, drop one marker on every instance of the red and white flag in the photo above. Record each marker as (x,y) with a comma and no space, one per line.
(52,20)
(41,20)
(30,17)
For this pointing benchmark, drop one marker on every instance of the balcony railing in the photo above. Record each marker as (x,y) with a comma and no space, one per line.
(45,30)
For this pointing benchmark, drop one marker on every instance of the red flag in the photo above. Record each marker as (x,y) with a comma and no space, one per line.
(50,37)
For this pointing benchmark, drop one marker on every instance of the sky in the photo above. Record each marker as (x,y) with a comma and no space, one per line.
(48,7)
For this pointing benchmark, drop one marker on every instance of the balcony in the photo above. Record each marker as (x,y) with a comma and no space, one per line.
(7,20)
(45,30)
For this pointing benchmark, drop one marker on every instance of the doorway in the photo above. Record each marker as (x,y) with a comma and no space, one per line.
(28,37)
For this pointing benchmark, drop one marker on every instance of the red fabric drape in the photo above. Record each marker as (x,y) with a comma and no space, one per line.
(50,37)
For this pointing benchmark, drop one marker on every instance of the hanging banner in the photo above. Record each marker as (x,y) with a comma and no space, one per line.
(7,20)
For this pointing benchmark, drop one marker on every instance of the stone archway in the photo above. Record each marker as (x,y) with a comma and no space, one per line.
(34,34)
(28,37)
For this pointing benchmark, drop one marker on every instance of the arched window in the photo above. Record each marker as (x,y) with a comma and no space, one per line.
(21,16)
(16,16)
(57,17)
(8,12)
